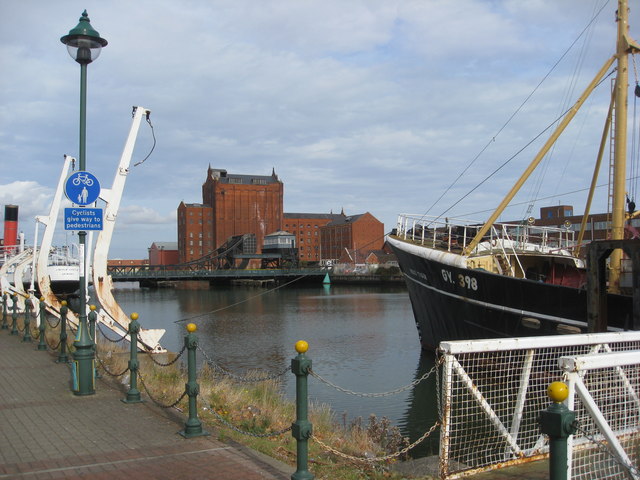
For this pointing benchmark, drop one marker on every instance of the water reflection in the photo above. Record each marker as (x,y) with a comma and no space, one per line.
(422,411)
(360,338)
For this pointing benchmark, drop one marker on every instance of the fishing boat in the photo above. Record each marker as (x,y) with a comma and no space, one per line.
(471,279)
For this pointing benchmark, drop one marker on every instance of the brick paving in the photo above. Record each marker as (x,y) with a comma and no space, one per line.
(47,432)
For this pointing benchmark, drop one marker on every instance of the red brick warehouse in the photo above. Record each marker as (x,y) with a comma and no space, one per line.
(232,204)
(235,204)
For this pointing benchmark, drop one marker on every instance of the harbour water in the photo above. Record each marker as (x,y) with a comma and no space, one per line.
(361,338)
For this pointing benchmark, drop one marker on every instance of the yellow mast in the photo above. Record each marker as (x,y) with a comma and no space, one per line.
(620,143)
(594,177)
(538,158)
(624,46)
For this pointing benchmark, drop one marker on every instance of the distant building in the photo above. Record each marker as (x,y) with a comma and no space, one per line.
(382,258)
(556,211)
(354,236)
(235,205)
(127,263)
(306,228)
(163,253)
(598,225)
(195,231)
(232,204)
(282,245)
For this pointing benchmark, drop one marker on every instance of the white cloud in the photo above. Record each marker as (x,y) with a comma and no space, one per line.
(140,215)
(372,105)
(32,199)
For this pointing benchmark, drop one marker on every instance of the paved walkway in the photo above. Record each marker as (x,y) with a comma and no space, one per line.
(47,432)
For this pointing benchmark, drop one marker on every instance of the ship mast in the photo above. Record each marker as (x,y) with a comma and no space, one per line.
(623,48)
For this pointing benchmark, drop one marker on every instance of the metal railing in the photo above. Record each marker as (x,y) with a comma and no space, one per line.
(453,233)
(494,390)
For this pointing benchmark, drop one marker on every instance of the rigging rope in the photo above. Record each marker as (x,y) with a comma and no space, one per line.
(506,162)
(493,138)
(549,197)
(240,302)
(569,94)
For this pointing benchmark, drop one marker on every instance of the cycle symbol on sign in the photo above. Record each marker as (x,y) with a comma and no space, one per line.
(82,188)
(82,178)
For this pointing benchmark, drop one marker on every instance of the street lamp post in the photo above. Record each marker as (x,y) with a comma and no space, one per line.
(84,45)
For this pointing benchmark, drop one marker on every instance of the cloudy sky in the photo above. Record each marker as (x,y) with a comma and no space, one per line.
(372,105)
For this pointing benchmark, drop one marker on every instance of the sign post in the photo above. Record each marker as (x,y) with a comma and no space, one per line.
(83,189)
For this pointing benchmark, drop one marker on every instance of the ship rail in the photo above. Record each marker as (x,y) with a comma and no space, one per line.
(454,234)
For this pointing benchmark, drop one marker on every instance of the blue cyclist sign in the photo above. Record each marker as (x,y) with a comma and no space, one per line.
(82,188)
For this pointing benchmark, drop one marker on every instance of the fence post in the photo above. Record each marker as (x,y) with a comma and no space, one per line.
(301,430)
(558,422)
(5,299)
(133,395)
(62,356)
(14,316)
(42,344)
(193,426)
(27,321)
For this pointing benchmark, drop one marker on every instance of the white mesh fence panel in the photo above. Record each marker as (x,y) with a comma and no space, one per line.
(493,392)
(607,406)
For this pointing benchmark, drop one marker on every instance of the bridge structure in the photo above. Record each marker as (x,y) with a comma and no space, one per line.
(153,274)
(230,262)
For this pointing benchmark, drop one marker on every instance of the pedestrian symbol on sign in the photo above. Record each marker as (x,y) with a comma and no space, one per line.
(82,188)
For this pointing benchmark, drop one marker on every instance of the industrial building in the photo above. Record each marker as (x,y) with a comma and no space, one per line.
(238,204)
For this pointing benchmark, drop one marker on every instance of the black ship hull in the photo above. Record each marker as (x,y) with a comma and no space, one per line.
(451,302)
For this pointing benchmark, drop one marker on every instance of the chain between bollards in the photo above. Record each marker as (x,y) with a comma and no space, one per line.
(14,316)
(302,429)
(558,422)
(62,356)
(133,395)
(193,426)
(42,344)
(5,299)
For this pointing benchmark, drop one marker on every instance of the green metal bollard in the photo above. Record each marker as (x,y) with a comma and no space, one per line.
(84,360)
(193,426)
(42,344)
(301,430)
(558,422)
(14,316)
(5,299)
(62,356)
(27,320)
(133,395)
